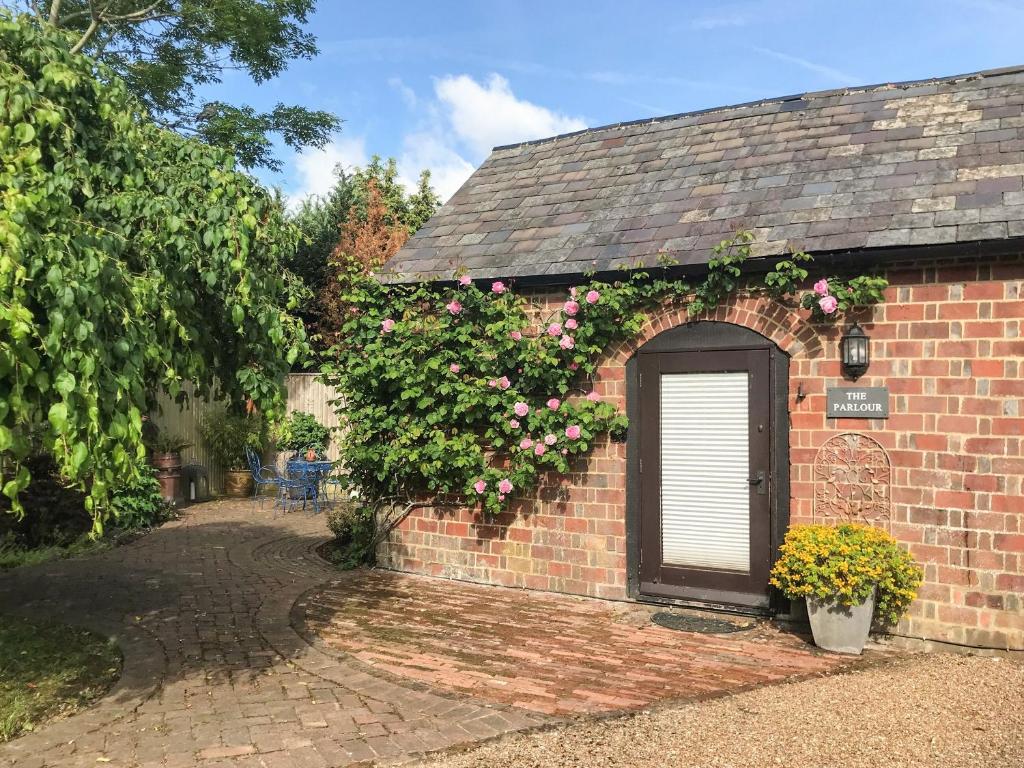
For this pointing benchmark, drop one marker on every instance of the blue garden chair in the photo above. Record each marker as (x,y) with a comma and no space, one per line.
(263,476)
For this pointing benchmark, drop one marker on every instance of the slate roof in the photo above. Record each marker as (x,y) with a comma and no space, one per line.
(924,163)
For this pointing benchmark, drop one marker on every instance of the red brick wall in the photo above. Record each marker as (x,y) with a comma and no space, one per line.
(947,343)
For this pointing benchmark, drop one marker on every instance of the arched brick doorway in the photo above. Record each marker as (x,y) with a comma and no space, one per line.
(708,477)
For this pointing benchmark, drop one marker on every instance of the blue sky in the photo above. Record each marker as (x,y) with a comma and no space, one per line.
(437,84)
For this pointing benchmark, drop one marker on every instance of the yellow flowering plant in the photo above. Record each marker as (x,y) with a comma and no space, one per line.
(844,563)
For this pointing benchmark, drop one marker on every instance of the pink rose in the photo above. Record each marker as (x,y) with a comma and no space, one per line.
(453,306)
(504,383)
(454,367)
(553,403)
(821,287)
(594,397)
(516,336)
(566,342)
(501,497)
(550,439)
(525,443)
(514,423)
(555,329)
(571,307)
(572,432)
(492,383)
(387,325)
(505,486)
(592,297)
(497,287)
(571,324)
(479,486)
(565,451)
(465,280)
(521,409)
(573,366)
(828,304)
(572,291)
(540,449)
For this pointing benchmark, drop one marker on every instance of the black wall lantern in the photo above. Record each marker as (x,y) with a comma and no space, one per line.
(855,352)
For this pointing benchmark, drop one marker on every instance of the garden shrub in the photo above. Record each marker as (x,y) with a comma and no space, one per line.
(138,503)
(227,434)
(844,563)
(355,535)
(300,432)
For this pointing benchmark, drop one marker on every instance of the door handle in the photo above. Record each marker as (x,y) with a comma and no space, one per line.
(758,480)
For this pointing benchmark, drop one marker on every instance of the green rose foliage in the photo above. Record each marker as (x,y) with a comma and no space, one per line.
(130,259)
(429,375)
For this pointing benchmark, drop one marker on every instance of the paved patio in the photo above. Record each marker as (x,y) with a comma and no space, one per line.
(540,652)
(215,675)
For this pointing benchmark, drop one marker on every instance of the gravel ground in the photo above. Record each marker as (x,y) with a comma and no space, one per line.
(925,711)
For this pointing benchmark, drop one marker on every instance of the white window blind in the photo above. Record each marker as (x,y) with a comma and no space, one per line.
(705,494)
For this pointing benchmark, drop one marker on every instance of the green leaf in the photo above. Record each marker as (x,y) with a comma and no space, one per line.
(58,417)
(24,133)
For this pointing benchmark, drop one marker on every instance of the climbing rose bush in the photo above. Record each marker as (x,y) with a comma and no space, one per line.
(468,390)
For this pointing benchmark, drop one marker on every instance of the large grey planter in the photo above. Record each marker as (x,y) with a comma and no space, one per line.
(840,628)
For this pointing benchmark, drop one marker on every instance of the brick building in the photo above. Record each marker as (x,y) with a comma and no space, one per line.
(729,439)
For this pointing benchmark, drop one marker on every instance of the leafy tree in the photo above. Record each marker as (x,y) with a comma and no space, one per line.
(131,258)
(165,50)
(366,243)
(368,209)
(320,219)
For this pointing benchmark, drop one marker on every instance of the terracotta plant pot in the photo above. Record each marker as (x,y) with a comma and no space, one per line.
(238,483)
(168,474)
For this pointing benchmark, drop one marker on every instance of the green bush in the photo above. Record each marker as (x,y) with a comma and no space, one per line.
(844,563)
(228,434)
(139,504)
(354,529)
(300,432)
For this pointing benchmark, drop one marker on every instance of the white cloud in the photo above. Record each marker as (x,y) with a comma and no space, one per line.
(427,149)
(315,169)
(408,94)
(453,132)
(486,115)
(728,18)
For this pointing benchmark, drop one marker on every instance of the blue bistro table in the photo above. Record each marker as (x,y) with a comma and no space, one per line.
(307,478)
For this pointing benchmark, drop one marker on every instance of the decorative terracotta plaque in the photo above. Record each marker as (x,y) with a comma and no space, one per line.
(852,476)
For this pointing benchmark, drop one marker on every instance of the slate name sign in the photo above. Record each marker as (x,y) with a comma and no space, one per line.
(857,403)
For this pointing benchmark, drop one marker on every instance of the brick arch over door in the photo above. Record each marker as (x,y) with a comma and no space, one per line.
(677,332)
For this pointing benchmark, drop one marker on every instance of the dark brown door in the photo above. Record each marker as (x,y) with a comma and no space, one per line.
(706,486)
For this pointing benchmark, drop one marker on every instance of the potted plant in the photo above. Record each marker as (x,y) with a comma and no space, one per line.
(303,435)
(165,456)
(227,434)
(847,574)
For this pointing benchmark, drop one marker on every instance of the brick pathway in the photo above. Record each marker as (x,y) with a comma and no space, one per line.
(214,675)
(545,653)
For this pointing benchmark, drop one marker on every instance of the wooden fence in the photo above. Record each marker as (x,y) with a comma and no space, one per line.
(305,393)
